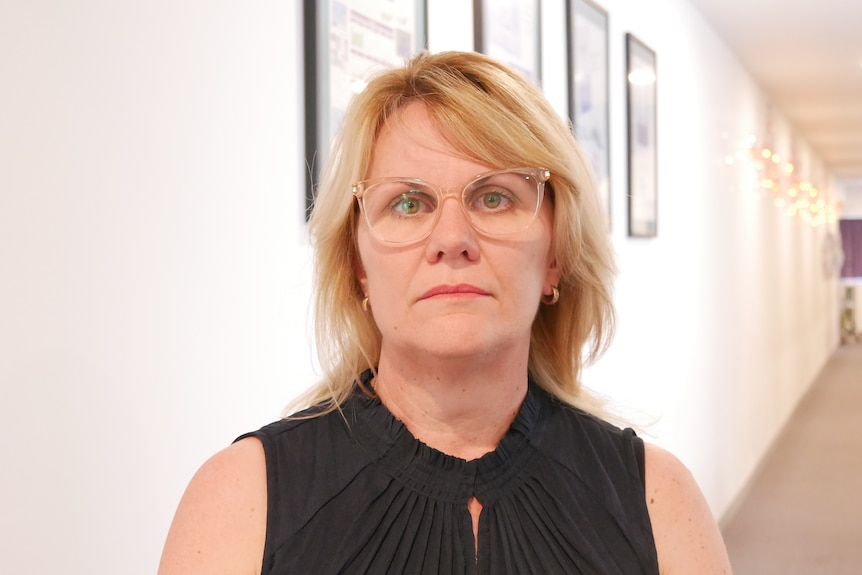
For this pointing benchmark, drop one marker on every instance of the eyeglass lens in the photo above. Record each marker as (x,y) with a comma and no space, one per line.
(403,210)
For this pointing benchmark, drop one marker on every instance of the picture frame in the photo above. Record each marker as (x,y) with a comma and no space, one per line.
(510,31)
(641,101)
(344,42)
(589,89)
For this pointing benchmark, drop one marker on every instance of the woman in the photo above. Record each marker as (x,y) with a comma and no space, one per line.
(462,266)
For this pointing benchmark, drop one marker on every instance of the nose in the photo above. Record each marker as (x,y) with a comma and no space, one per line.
(453,235)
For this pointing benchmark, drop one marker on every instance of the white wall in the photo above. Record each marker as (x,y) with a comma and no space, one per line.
(154,272)
(153,267)
(852,199)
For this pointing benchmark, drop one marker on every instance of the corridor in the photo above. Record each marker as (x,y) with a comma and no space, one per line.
(802,513)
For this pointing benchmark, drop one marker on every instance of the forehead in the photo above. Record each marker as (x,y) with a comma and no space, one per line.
(410,145)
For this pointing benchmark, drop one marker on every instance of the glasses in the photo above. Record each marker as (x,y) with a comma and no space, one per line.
(496,203)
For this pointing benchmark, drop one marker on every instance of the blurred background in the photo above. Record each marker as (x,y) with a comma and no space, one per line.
(155,272)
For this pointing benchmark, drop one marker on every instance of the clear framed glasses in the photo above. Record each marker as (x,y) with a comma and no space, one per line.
(496,203)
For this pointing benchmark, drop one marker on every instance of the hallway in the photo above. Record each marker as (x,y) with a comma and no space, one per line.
(802,513)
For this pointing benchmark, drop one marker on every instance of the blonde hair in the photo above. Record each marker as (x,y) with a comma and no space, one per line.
(490,114)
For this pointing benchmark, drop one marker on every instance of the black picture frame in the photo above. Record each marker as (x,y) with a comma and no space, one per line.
(336,59)
(641,101)
(510,32)
(589,89)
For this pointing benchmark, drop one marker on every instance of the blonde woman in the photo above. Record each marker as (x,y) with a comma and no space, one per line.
(463,271)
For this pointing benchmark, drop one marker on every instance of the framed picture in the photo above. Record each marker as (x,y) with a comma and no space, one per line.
(508,30)
(345,41)
(588,89)
(642,141)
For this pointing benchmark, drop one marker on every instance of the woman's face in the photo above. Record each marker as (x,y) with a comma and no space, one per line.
(457,293)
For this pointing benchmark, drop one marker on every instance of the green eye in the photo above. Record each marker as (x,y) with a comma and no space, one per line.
(407,204)
(492,200)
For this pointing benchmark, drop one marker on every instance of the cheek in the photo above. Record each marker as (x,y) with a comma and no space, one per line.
(542,256)
(526,272)
(381,273)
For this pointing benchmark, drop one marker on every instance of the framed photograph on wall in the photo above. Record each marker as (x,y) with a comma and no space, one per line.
(642,140)
(345,41)
(588,89)
(508,30)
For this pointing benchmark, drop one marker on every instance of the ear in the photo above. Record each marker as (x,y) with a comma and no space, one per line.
(361,276)
(552,277)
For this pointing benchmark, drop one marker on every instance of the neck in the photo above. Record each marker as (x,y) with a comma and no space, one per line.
(460,407)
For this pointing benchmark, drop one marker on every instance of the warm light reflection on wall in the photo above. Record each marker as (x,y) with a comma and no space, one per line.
(778,178)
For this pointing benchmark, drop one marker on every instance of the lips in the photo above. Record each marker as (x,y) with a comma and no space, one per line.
(454,290)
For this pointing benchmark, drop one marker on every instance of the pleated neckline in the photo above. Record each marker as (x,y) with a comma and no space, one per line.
(439,475)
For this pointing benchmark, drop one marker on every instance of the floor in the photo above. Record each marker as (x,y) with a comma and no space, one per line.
(802,513)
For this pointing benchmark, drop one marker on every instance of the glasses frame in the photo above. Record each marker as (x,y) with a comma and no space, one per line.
(541,175)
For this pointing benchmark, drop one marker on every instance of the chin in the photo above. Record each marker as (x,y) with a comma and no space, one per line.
(466,339)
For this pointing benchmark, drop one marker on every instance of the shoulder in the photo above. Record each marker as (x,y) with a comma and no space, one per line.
(588,436)
(686,535)
(220,524)
(561,413)
(606,458)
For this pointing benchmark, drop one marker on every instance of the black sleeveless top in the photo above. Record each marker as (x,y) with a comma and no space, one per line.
(356,493)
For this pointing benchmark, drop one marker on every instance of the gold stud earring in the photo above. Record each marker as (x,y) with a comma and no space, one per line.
(365,304)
